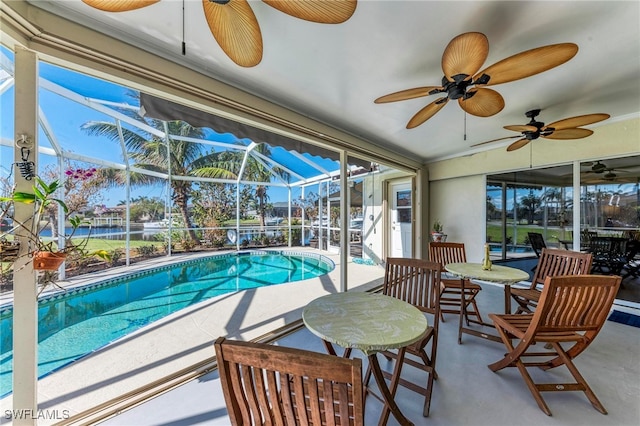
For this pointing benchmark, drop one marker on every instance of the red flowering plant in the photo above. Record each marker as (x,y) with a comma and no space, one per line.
(49,253)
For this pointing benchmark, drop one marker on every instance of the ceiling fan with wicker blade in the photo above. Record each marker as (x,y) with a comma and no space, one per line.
(461,60)
(562,129)
(235,26)
(607,172)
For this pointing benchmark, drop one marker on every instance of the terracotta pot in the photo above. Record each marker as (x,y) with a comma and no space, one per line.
(48,261)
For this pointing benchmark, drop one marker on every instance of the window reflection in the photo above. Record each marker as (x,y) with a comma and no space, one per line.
(542,201)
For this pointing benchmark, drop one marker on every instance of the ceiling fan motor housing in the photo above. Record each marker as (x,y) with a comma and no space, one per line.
(599,167)
(457,88)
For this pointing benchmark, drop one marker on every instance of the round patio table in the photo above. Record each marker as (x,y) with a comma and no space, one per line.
(497,274)
(370,323)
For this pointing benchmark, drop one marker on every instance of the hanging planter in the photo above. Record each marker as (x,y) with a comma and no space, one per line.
(48,260)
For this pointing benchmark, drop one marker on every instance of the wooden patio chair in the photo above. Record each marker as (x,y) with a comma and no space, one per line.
(265,384)
(451,252)
(553,262)
(537,242)
(609,254)
(571,312)
(632,266)
(416,281)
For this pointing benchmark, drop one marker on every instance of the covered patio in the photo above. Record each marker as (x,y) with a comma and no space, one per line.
(164,375)
(466,392)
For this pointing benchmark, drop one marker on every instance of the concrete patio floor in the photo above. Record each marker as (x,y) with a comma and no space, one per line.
(467,392)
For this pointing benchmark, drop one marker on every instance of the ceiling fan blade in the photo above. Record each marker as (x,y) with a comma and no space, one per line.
(482,103)
(528,63)
(119,5)
(522,128)
(495,140)
(575,133)
(465,54)
(427,112)
(236,30)
(581,120)
(323,12)
(403,95)
(518,144)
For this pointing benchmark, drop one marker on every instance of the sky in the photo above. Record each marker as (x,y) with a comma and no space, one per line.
(65,117)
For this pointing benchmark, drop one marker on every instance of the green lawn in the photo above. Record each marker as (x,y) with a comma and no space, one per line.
(494,232)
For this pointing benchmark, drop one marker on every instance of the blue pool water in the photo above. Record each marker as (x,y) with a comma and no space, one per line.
(75,323)
(511,248)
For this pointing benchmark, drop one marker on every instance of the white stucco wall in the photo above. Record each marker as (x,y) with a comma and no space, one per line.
(457,187)
(460,205)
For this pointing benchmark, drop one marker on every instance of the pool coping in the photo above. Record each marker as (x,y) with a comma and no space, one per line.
(71,289)
(60,294)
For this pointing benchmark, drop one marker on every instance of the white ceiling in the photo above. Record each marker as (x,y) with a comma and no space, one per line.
(333,72)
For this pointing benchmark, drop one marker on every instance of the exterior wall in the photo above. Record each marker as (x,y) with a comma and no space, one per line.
(457,187)
(621,138)
(460,204)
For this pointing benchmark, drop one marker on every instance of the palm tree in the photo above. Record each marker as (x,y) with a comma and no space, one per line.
(152,153)
(186,159)
(227,165)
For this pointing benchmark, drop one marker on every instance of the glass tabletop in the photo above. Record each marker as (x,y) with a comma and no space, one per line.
(365,321)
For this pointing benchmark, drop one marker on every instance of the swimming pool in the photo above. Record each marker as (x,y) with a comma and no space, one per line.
(77,322)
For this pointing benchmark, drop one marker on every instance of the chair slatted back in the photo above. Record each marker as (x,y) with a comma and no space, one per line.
(445,253)
(537,242)
(560,262)
(274,385)
(416,281)
(574,303)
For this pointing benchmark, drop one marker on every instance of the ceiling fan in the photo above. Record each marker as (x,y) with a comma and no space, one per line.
(461,60)
(599,167)
(234,25)
(562,129)
(608,173)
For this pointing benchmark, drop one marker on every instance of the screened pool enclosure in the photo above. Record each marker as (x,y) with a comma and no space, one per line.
(151,177)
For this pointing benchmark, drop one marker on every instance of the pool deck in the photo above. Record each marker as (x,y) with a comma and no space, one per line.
(183,338)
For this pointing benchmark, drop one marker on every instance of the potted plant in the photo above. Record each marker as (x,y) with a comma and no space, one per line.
(436,232)
(46,253)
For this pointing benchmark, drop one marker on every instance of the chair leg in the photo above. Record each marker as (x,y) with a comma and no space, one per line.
(532,387)
(426,365)
(475,309)
(427,397)
(512,358)
(580,381)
